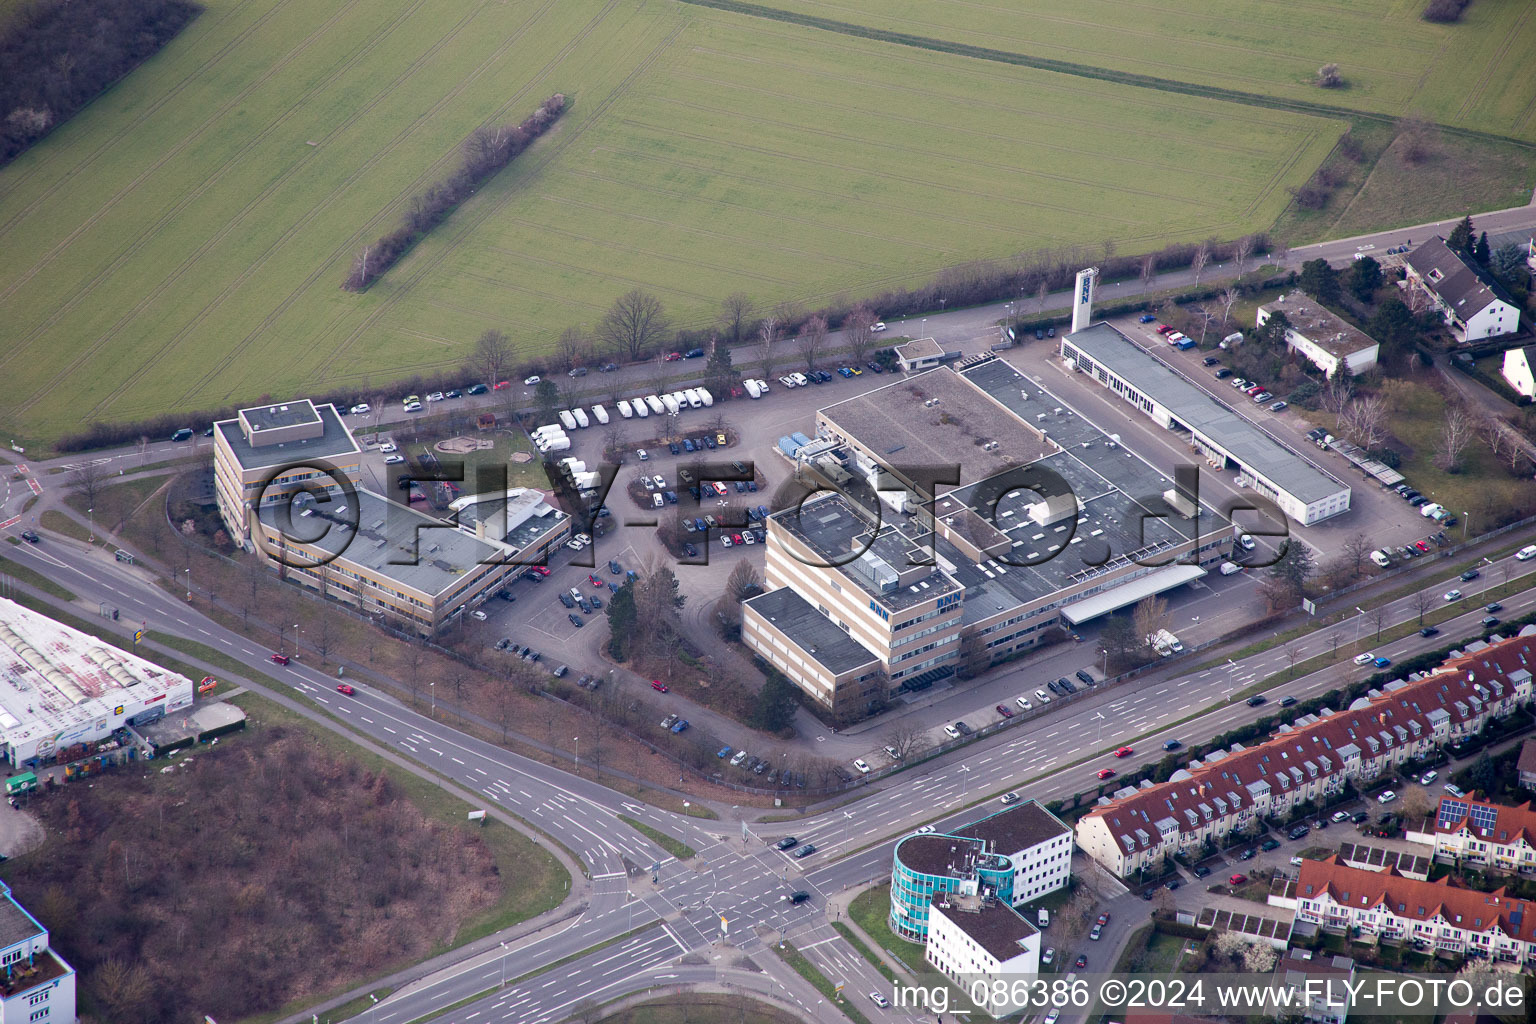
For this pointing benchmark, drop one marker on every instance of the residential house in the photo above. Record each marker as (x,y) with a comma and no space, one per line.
(1472,304)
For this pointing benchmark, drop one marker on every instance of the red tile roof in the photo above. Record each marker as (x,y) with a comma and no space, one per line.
(1410,898)
(1388,719)
(1509,823)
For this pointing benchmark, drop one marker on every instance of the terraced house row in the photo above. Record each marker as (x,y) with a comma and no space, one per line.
(1309,760)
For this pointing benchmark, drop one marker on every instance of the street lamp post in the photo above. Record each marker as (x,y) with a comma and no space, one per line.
(188,571)
(1100,718)
(847,817)
(1358,621)
(577,740)
(964,780)
(504,960)
(1231,671)
(432,685)
(92,513)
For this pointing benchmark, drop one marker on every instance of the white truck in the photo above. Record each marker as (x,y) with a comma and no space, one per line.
(624,409)
(581,418)
(705,397)
(1163,640)
(567,419)
(600,414)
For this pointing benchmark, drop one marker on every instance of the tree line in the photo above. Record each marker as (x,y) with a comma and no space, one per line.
(57,55)
(485,152)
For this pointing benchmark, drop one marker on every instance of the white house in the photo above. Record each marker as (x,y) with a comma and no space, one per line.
(1307,761)
(1430,915)
(1322,335)
(1517,369)
(975,938)
(1472,304)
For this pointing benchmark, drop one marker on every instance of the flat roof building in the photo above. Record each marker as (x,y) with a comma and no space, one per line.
(1303,492)
(1016,855)
(1044,519)
(37,986)
(60,687)
(975,939)
(386,559)
(1320,334)
(269,452)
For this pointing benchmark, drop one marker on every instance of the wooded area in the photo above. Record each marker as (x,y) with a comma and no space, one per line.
(57,55)
(256,873)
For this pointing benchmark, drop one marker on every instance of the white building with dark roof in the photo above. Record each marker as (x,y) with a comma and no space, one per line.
(1471,303)
(1519,369)
(980,939)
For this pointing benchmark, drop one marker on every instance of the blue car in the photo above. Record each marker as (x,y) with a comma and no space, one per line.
(673,448)
(1380,662)
(631,575)
(698,524)
(752,486)
(752,514)
(1147,318)
(613,587)
(687,444)
(682,724)
(845,371)
(723,752)
(762,511)
(671,497)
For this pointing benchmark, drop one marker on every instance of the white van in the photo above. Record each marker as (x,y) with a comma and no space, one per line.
(638,405)
(1043,918)
(670,404)
(799,379)
(1527,553)
(705,397)
(1380,558)
(567,419)
(694,401)
(1229,568)
(655,404)
(1429,510)
(600,414)
(624,409)
(581,418)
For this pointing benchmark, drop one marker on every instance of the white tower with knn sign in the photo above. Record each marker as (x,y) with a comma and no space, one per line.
(1082,298)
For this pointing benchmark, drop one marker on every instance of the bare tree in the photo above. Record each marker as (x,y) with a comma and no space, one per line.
(1418,139)
(1292,656)
(1455,435)
(1198,261)
(743,581)
(1379,618)
(812,333)
(88,481)
(572,348)
(906,737)
(1206,318)
(1149,271)
(1492,433)
(1150,615)
(1423,601)
(1229,297)
(490,360)
(858,330)
(1041,293)
(768,339)
(1417,804)
(1357,548)
(1337,391)
(1363,421)
(735,311)
(1241,250)
(633,325)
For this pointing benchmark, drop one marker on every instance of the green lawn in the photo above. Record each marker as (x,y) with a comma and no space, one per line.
(677,848)
(179,244)
(1393,62)
(699,1007)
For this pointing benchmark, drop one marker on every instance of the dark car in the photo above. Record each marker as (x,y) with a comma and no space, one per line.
(1489,621)
(1470,575)
(455,393)
(965,730)
(787,843)
(1209,361)
(1083,674)
(693,353)
(1429,631)
(1173,883)
(690,551)
(1223,373)
(576,620)
(806,850)
(1299,831)
(1286,702)
(1202,871)
(30,537)
(1269,844)
(1172,744)
(1248,854)
(1493,607)
(1359,817)
(796,898)
(673,448)
(614,567)
(1256,700)
(567,600)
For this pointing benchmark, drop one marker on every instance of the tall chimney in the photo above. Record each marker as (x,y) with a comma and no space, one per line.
(1082,298)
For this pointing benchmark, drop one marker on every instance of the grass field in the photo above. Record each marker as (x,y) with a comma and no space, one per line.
(1465,75)
(180,243)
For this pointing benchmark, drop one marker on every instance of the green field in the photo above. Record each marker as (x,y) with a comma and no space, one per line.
(180,243)
(1474,74)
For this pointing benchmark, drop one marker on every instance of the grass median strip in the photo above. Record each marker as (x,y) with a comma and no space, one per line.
(807,970)
(678,849)
(32,578)
(864,951)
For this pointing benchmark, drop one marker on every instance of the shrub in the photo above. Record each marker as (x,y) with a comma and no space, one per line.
(1444,11)
(1329,77)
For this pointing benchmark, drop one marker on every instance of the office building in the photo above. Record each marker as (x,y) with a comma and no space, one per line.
(1016,855)
(1047,522)
(981,940)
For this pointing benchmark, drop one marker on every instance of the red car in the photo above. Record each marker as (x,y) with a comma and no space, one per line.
(542,570)
(280,659)
(1105,773)
(1163,328)
(1124,752)
(673,357)
(1421,546)
(658,686)
(735,538)
(595,581)
(1003,710)
(501,385)
(345,688)
(1238,879)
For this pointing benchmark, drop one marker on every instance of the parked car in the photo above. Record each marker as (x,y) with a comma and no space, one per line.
(862,765)
(1386,797)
